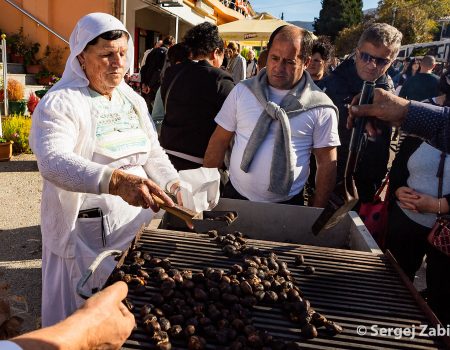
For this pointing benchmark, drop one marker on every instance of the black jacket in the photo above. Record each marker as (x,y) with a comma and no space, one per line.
(341,85)
(151,72)
(193,102)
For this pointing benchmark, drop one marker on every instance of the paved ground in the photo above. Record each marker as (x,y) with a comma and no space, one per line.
(20,237)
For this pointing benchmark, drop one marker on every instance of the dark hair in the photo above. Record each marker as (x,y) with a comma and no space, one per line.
(289,32)
(262,59)
(111,35)
(169,40)
(178,53)
(203,39)
(408,71)
(324,48)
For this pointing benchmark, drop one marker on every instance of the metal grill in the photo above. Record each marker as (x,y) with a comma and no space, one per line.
(349,287)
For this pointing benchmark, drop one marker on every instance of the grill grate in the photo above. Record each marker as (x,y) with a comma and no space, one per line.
(351,288)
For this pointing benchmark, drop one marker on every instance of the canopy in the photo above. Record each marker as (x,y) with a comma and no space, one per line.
(250,31)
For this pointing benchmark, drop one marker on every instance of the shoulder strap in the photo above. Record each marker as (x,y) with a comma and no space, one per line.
(171,85)
(440,173)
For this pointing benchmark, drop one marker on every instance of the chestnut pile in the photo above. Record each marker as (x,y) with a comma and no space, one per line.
(215,306)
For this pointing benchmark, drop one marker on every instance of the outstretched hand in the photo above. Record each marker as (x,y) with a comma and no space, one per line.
(137,191)
(103,322)
(386,107)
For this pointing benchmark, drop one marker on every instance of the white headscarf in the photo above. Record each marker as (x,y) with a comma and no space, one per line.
(88,28)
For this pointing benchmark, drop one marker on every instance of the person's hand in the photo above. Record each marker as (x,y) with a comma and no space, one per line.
(103,322)
(386,107)
(106,318)
(407,197)
(419,202)
(137,191)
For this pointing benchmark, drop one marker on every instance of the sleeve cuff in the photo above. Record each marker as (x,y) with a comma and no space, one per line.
(105,180)
(421,119)
(170,183)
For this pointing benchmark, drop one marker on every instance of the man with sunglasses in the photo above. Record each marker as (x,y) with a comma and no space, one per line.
(377,48)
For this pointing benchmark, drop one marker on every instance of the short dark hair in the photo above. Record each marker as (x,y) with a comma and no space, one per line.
(324,48)
(289,32)
(178,53)
(169,40)
(203,39)
(111,35)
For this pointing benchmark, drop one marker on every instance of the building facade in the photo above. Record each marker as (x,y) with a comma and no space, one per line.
(147,20)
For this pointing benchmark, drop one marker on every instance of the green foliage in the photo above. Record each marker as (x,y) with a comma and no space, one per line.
(17,42)
(416,19)
(347,39)
(17,128)
(336,15)
(30,53)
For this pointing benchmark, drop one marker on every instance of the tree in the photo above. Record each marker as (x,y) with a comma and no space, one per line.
(416,19)
(348,38)
(336,15)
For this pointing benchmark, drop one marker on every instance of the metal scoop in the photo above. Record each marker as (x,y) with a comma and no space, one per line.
(202,221)
(345,196)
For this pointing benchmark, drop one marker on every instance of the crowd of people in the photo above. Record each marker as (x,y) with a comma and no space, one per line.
(241,6)
(260,119)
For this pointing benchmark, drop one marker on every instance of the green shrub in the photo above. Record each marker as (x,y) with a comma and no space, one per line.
(17,128)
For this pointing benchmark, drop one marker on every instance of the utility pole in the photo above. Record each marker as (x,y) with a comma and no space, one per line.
(394,12)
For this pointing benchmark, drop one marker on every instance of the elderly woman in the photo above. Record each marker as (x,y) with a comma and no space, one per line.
(96,150)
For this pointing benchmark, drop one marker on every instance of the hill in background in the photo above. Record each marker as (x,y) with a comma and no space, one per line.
(303,24)
(309,25)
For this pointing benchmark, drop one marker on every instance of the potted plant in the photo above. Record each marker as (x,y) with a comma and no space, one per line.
(17,42)
(16,94)
(46,77)
(32,64)
(5,149)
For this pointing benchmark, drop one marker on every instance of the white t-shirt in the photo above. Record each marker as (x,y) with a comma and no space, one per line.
(316,128)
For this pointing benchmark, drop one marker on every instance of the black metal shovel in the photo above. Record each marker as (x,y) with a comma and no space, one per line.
(345,196)
(202,221)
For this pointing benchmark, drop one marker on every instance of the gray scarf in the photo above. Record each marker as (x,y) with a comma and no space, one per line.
(304,96)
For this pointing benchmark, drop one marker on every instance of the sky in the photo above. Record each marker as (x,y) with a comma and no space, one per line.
(297,10)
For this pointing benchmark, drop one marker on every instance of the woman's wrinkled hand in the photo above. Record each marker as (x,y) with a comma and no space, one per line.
(137,191)
(386,106)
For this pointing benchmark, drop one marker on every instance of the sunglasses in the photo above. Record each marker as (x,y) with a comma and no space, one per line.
(366,58)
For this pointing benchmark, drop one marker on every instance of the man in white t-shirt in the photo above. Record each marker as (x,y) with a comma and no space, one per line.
(277,119)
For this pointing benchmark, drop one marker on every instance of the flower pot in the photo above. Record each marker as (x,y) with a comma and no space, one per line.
(17,58)
(17,107)
(33,68)
(5,151)
(40,93)
(44,80)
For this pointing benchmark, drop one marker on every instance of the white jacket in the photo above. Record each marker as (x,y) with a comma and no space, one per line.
(63,138)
